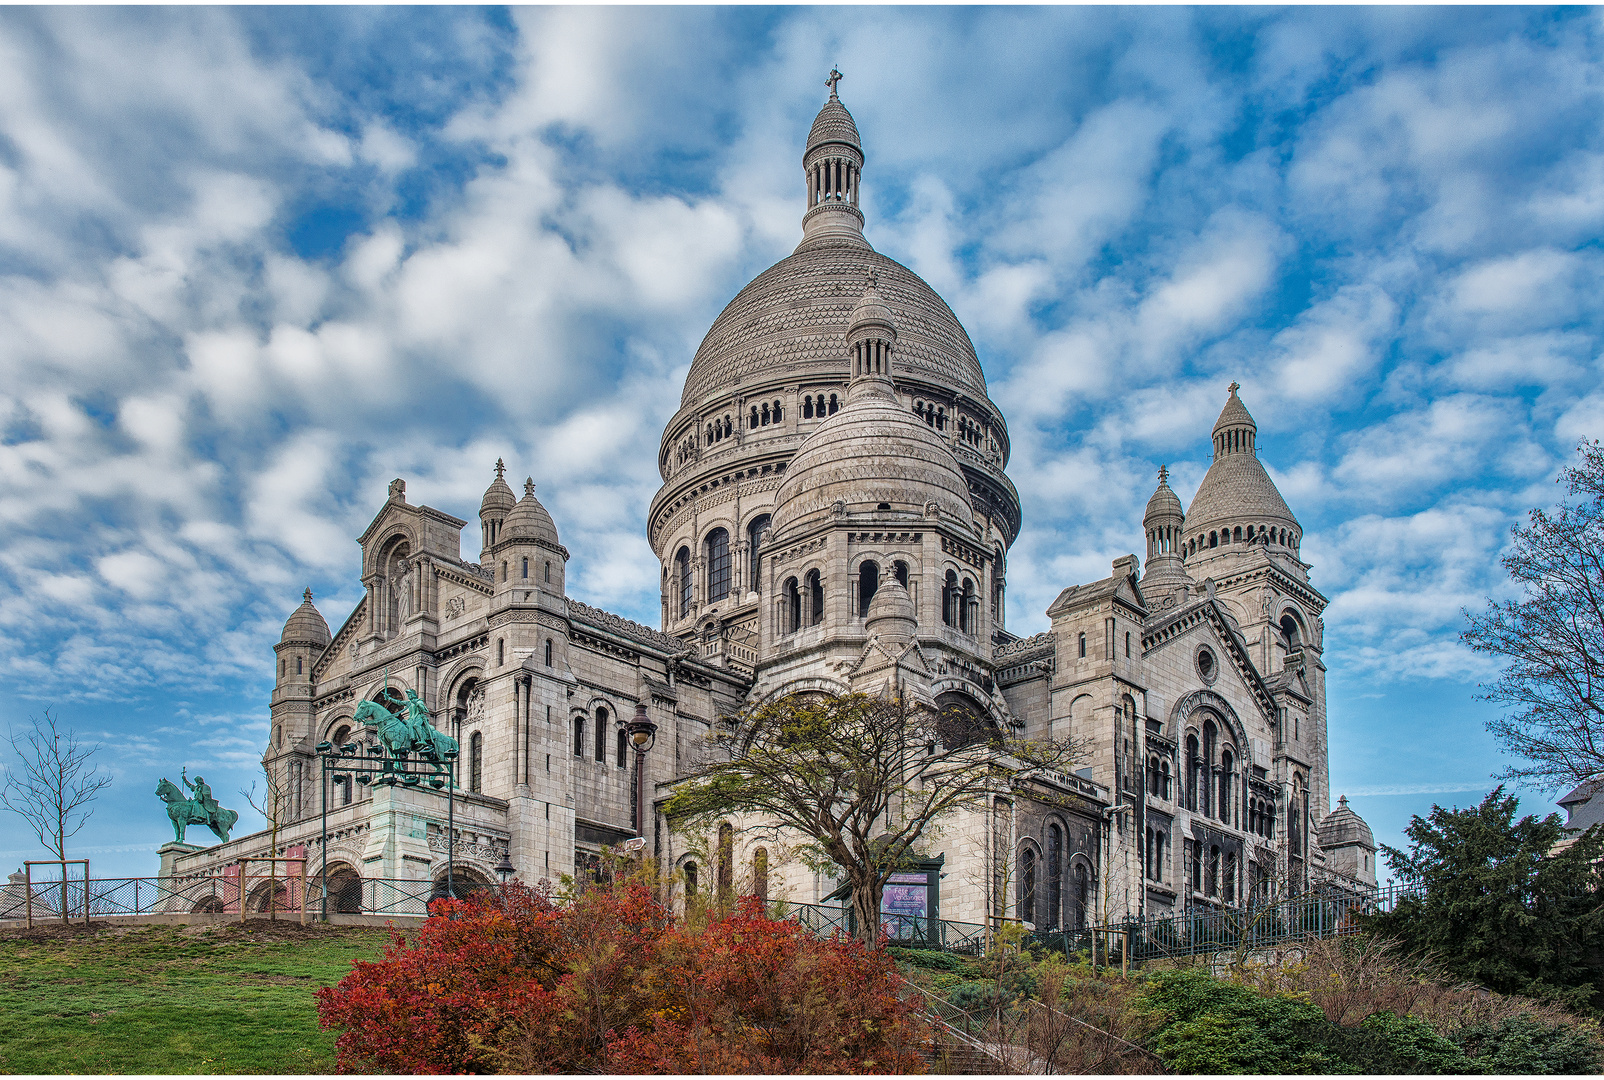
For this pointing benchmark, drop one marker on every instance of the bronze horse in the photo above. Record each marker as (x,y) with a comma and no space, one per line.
(184,812)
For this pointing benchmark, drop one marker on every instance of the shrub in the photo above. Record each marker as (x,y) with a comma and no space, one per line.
(1522,1044)
(1220,1027)
(511,980)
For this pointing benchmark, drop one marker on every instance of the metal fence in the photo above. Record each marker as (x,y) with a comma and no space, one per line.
(908,931)
(263,894)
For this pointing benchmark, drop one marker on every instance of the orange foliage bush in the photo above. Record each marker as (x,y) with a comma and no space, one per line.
(513,981)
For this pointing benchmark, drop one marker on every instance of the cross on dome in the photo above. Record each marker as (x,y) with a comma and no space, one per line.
(1163,473)
(1234,387)
(529,486)
(835,77)
(307,595)
(501,468)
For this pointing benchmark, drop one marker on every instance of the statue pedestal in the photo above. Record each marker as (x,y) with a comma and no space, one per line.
(398,845)
(170,853)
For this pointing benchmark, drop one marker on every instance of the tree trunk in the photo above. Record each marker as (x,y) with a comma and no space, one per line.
(866,892)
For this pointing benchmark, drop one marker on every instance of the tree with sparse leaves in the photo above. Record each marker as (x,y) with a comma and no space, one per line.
(1553,637)
(1499,905)
(52,785)
(861,779)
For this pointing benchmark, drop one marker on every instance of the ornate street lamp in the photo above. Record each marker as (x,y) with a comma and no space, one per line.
(505,867)
(642,734)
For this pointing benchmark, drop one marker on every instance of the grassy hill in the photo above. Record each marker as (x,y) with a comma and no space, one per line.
(230,998)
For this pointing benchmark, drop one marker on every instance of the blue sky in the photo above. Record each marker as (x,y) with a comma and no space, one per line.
(255,263)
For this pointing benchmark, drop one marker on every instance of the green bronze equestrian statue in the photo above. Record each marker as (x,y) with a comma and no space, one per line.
(200,810)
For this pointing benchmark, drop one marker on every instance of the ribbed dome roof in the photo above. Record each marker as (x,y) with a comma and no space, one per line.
(891,612)
(1343,826)
(871,311)
(498,496)
(791,322)
(834,125)
(1164,503)
(1236,487)
(306,623)
(1235,414)
(873,451)
(529,520)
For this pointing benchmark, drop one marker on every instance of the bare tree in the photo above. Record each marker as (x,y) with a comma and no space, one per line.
(273,804)
(54,787)
(862,778)
(1553,638)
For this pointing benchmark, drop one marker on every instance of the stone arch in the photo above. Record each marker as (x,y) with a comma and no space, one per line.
(376,552)
(344,886)
(812,684)
(1232,728)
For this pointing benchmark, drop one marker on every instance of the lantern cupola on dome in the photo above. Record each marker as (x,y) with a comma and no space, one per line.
(494,507)
(833,167)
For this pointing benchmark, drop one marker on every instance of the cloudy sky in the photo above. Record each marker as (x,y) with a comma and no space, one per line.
(255,263)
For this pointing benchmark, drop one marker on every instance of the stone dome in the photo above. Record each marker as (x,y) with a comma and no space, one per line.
(833,125)
(306,624)
(891,612)
(528,520)
(498,496)
(873,451)
(791,323)
(1236,489)
(1164,503)
(1342,827)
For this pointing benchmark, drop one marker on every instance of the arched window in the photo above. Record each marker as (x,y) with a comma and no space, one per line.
(793,606)
(1083,895)
(868,583)
(1055,876)
(1127,644)
(1164,779)
(601,735)
(623,744)
(682,573)
(1027,885)
(752,420)
(950,598)
(815,598)
(298,669)
(476,762)
(1214,539)
(718,565)
(1083,646)
(1227,762)
(501,651)
(807,407)
(1193,768)
(548,652)
(1210,741)
(966,609)
(779,413)
(690,880)
(526,567)
(503,569)
(756,532)
(760,874)
(579,736)
(548,571)
(726,863)
(1152,776)
(901,570)
(1211,884)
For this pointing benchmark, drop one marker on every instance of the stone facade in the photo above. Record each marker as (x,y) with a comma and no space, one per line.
(835,516)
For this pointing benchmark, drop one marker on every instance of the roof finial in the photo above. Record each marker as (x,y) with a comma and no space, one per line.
(529,487)
(1163,473)
(307,595)
(501,468)
(1234,387)
(835,77)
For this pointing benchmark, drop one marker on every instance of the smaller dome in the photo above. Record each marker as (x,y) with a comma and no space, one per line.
(528,520)
(833,124)
(1164,503)
(498,496)
(1343,827)
(306,624)
(872,313)
(891,613)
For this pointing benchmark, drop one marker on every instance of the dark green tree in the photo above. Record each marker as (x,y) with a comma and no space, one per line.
(1498,905)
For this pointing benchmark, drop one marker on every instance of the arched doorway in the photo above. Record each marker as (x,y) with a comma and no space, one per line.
(345,890)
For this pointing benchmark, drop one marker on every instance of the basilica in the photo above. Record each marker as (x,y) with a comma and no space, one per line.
(835,515)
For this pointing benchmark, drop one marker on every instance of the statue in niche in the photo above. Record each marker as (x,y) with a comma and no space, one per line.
(403,594)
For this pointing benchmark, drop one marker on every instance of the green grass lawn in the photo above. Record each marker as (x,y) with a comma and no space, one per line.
(165,999)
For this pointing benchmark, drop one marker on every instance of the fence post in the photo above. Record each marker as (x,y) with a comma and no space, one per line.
(28,885)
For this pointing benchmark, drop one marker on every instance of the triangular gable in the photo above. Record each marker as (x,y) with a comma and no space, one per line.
(1209,611)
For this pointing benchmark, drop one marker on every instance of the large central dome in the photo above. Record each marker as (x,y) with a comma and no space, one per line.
(792,320)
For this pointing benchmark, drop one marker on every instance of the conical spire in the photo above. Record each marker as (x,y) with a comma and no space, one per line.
(306,624)
(1234,431)
(1164,522)
(871,336)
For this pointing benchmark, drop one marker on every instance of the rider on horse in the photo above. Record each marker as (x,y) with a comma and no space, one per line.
(417,719)
(202,792)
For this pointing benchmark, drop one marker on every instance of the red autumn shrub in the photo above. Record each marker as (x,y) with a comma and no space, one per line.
(511,981)
(747,994)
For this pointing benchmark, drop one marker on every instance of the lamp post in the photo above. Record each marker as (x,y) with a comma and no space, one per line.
(642,735)
(505,867)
